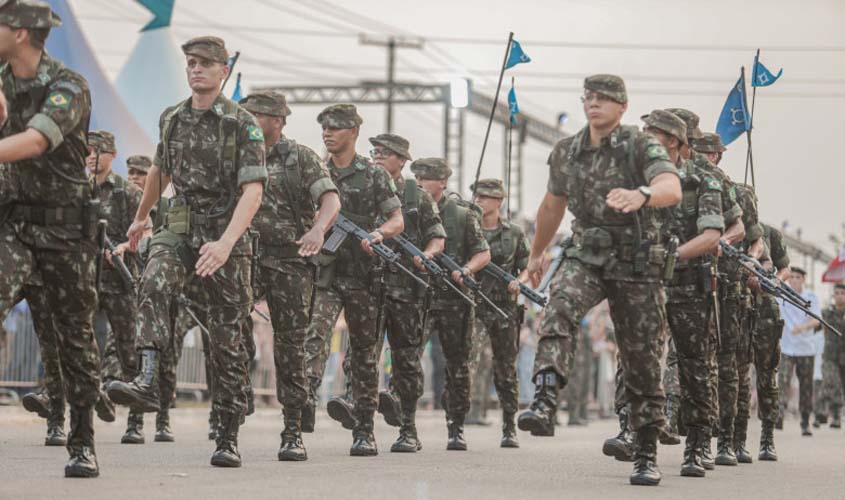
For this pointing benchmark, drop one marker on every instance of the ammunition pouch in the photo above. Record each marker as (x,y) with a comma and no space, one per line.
(284,251)
(327,268)
(597,247)
(178,217)
(179,244)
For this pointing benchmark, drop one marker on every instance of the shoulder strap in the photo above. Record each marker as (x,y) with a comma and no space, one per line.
(293,181)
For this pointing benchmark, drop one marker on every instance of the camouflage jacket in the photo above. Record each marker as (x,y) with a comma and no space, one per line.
(119,200)
(699,210)
(464,237)
(56,103)
(509,250)
(297,180)
(775,251)
(731,211)
(834,346)
(209,154)
(753,231)
(366,193)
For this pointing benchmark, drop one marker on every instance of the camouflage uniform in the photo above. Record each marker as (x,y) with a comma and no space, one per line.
(350,279)
(48,231)
(298,179)
(834,357)
(581,378)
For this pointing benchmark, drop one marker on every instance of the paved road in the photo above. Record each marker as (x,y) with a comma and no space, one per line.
(570,465)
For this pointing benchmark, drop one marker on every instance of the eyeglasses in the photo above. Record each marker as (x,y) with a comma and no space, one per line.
(381,153)
(595,97)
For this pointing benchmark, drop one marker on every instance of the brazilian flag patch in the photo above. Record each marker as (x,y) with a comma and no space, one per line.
(732,193)
(255,133)
(714,184)
(59,100)
(657,151)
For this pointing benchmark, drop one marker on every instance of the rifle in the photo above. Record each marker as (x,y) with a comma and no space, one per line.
(344,227)
(431,267)
(119,264)
(186,303)
(554,266)
(102,224)
(452,266)
(497,272)
(771,286)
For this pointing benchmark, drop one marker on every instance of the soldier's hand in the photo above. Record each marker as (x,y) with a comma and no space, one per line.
(625,200)
(4,110)
(376,238)
(513,287)
(457,277)
(122,249)
(212,257)
(135,233)
(310,243)
(754,284)
(535,270)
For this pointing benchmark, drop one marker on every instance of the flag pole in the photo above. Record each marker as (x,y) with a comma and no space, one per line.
(749,159)
(492,113)
(510,158)
(232,67)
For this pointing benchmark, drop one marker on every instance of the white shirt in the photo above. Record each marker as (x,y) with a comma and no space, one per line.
(804,343)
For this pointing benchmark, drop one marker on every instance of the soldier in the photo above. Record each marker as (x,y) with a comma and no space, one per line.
(509,250)
(290,235)
(450,316)
(612,177)
(137,167)
(834,348)
(212,151)
(350,279)
(116,299)
(53,224)
(698,225)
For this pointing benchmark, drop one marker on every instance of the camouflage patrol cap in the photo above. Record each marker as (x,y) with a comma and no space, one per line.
(492,188)
(207,47)
(431,169)
(839,286)
(610,85)
(393,142)
(667,122)
(709,143)
(691,119)
(266,102)
(102,140)
(32,14)
(340,116)
(139,162)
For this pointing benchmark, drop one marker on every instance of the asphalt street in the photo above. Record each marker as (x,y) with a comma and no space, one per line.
(569,465)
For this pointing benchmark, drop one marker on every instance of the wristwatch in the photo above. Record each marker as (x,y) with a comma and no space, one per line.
(646,191)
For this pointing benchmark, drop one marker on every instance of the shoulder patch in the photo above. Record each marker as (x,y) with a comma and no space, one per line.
(713,183)
(59,99)
(732,193)
(255,133)
(657,151)
(392,185)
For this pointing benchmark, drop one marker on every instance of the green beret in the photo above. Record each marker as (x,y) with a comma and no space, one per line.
(33,14)
(266,102)
(709,143)
(340,116)
(610,85)
(207,47)
(493,188)
(102,140)
(139,162)
(431,168)
(393,142)
(667,122)
(691,119)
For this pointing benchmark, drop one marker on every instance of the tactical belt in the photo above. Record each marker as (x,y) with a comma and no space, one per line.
(288,251)
(205,221)
(44,216)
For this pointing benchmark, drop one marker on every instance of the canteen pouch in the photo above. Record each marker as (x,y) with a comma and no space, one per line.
(596,247)
(179,216)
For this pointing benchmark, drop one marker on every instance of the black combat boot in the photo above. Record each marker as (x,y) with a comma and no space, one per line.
(408,441)
(226,454)
(540,418)
(621,446)
(56,423)
(669,433)
(725,453)
(743,456)
(646,472)
(105,407)
(213,423)
(821,419)
(692,466)
(341,408)
(805,424)
(389,407)
(134,429)
(509,439)
(80,446)
(292,449)
(836,417)
(164,434)
(456,441)
(768,453)
(779,421)
(363,440)
(142,394)
(37,402)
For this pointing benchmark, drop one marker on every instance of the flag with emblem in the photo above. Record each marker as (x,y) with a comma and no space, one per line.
(59,100)
(513,106)
(762,77)
(517,55)
(255,133)
(236,95)
(734,119)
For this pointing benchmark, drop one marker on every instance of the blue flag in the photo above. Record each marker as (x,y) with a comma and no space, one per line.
(236,95)
(734,120)
(761,76)
(512,105)
(516,56)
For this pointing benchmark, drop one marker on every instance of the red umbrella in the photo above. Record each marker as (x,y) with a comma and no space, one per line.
(835,272)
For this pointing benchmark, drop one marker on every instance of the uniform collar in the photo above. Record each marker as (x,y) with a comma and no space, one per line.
(47,67)
(217,107)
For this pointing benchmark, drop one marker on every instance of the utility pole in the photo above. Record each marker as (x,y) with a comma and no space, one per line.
(391,42)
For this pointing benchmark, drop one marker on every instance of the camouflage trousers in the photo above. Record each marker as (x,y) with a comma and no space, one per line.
(404,322)
(581,376)
(671,377)
(480,371)
(732,333)
(713,370)
(503,338)
(70,300)
(221,302)
(803,368)
(171,354)
(639,316)
(832,372)
(765,345)
(289,291)
(453,323)
(361,310)
(48,343)
(120,355)
(744,358)
(689,319)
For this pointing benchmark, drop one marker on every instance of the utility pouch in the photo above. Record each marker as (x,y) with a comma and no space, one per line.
(186,255)
(596,247)
(178,216)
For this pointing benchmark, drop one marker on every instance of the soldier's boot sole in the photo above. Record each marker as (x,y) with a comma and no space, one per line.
(620,451)
(340,411)
(133,438)
(389,408)
(137,399)
(743,456)
(361,451)
(509,442)
(455,445)
(725,460)
(84,465)
(645,479)
(693,470)
(768,454)
(529,421)
(292,455)
(55,440)
(32,403)
(405,447)
(164,437)
(224,458)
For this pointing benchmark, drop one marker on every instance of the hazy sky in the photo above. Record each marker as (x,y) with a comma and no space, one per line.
(672,53)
